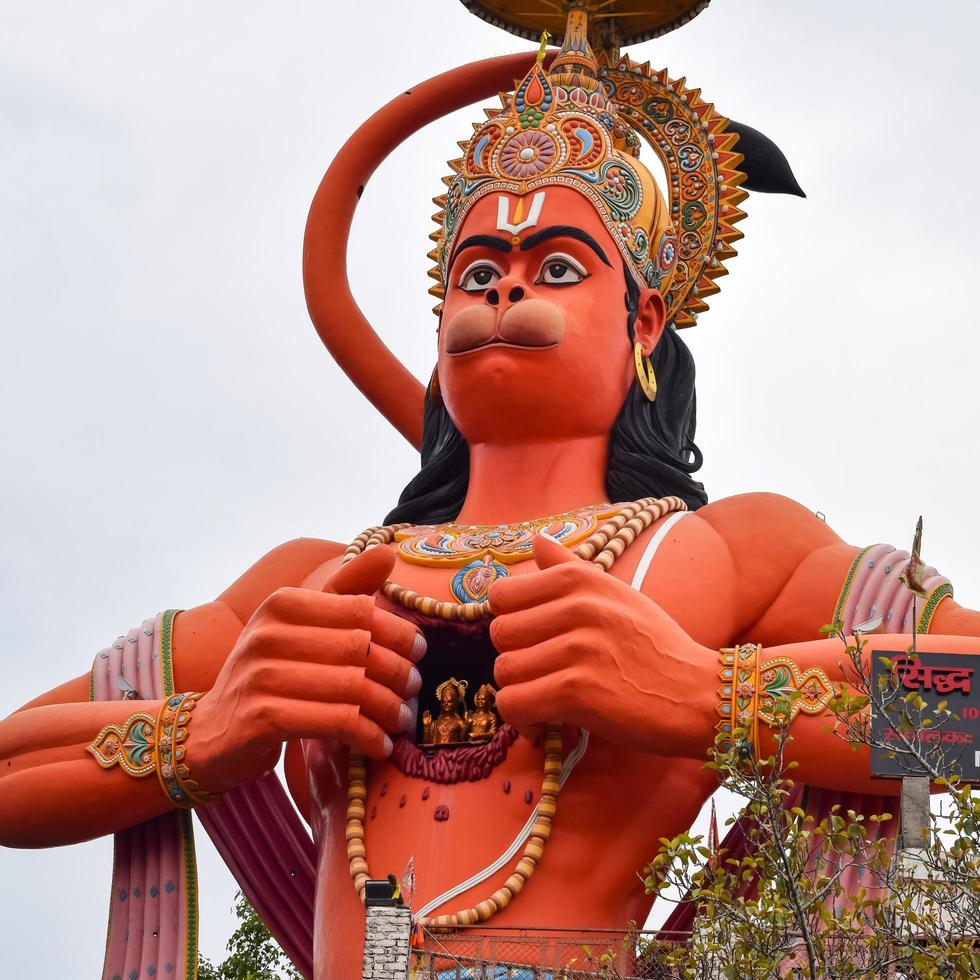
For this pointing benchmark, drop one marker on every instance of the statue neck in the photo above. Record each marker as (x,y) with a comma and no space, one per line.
(523,481)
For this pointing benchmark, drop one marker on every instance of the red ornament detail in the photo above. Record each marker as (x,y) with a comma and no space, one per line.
(534,93)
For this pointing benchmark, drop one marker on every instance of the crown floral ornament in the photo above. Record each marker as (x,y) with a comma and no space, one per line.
(576,125)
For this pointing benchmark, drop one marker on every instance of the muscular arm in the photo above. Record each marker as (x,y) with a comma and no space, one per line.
(823,758)
(790,569)
(51,790)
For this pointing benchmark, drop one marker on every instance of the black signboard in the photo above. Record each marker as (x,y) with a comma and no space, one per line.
(953,742)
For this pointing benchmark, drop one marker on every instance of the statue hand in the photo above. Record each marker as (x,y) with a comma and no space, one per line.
(578,646)
(301,669)
(426,718)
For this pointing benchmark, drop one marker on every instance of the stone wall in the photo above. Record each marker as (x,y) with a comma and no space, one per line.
(386,937)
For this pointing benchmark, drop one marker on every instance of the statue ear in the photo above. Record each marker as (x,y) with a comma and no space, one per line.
(651,318)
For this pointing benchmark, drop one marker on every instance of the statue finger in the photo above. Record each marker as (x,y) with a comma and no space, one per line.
(329,686)
(325,683)
(308,607)
(553,697)
(534,588)
(364,575)
(527,664)
(535,624)
(312,644)
(385,708)
(386,667)
(398,634)
(297,718)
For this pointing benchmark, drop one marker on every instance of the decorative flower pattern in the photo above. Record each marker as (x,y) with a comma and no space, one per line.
(615,180)
(527,155)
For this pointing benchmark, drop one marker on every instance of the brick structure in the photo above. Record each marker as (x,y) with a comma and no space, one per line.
(386,936)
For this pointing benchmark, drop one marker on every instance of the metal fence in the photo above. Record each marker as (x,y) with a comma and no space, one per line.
(479,953)
(484,954)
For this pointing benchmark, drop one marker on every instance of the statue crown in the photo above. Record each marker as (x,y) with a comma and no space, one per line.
(578,124)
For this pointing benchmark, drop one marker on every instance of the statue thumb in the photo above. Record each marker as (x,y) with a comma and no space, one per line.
(548,551)
(364,575)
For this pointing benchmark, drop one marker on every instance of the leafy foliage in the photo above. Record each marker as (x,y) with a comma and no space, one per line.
(252,952)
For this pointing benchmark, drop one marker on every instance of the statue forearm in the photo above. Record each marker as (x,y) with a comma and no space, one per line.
(52,792)
(823,756)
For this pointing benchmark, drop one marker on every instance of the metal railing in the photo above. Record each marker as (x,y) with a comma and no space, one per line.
(482,953)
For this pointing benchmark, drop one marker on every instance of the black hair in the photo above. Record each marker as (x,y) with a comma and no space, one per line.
(651,447)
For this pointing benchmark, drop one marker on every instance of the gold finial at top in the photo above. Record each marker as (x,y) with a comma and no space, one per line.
(543,49)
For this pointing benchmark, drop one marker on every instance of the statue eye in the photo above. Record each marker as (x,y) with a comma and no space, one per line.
(479,277)
(561,270)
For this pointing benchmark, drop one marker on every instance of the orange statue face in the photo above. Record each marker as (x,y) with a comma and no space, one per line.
(533,339)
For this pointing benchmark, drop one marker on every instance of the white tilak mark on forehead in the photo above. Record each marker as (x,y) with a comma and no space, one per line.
(519,223)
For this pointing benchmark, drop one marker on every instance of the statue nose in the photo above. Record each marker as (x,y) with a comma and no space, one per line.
(514,295)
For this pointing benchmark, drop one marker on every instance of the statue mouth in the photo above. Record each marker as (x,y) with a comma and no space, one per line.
(500,342)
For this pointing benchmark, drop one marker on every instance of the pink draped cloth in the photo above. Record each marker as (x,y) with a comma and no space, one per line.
(153,912)
(153,905)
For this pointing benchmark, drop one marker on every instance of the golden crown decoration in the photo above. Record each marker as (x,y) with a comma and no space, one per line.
(579,123)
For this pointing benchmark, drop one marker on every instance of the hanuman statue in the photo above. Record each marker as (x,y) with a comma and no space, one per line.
(555,527)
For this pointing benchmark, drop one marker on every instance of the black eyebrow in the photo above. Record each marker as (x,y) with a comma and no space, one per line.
(564,231)
(487,241)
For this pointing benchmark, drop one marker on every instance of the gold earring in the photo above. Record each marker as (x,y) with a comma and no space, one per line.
(644,372)
(435,392)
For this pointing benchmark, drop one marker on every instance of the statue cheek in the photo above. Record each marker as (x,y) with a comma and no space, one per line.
(469,328)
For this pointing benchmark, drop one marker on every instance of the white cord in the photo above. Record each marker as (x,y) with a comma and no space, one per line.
(574,757)
(651,549)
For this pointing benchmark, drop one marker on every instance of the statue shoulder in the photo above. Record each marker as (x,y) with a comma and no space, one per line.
(752,523)
(299,562)
(772,540)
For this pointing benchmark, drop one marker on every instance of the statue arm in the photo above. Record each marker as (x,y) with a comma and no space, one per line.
(580,647)
(791,573)
(822,757)
(51,790)
(952,619)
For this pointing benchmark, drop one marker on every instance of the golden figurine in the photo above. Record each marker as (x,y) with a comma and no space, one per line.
(451,725)
(483,720)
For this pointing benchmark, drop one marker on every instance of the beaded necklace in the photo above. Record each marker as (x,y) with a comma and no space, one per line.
(602,547)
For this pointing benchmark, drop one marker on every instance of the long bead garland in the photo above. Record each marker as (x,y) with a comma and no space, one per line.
(602,548)
(533,849)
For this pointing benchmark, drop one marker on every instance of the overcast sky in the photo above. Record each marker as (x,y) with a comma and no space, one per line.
(168,413)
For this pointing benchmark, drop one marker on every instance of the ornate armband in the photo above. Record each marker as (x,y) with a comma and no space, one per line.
(145,744)
(739,708)
(771,691)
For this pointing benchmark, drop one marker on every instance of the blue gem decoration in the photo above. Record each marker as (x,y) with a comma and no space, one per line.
(472,581)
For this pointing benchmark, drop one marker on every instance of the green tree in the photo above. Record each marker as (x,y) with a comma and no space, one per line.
(252,952)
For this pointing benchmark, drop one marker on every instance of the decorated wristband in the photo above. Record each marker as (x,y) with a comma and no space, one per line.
(739,708)
(771,691)
(145,744)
